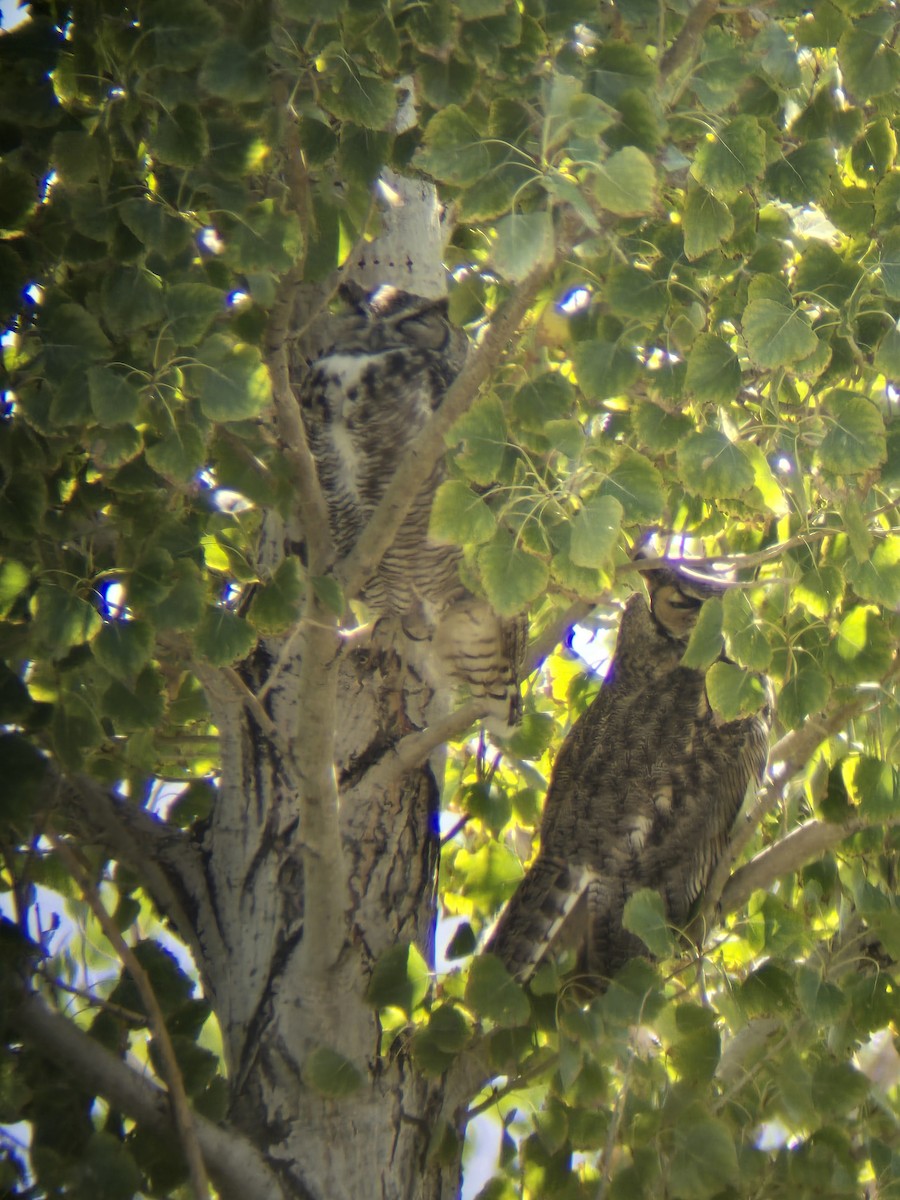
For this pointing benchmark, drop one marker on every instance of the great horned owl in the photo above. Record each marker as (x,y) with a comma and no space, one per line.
(644,794)
(365,396)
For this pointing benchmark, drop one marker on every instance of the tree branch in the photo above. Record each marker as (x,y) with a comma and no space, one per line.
(235,1165)
(169,867)
(421,456)
(787,758)
(788,854)
(326,900)
(416,748)
(688,40)
(313,509)
(184,1117)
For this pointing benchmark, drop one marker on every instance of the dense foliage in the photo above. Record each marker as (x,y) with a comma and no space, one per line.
(702,208)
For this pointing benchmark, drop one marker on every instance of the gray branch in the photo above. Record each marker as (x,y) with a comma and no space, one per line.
(790,853)
(162,856)
(236,1166)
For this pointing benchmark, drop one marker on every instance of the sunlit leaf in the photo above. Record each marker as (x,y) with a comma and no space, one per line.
(331,1074)
(645,916)
(493,994)
(399,979)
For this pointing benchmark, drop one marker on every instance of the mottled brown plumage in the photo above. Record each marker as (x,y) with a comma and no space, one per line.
(368,392)
(644,794)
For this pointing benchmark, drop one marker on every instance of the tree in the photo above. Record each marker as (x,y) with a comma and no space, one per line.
(673,236)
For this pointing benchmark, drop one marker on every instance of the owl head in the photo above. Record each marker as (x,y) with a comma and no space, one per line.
(676,597)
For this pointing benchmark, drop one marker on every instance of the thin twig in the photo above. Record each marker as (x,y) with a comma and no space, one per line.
(181,1109)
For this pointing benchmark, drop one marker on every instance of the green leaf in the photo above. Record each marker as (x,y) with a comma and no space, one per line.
(697,1048)
(191,309)
(106,1170)
(489,875)
(62,619)
(137,706)
(23,768)
(233,383)
(657,429)
(802,696)
(355,94)
(873,785)
(223,637)
(804,175)
(890,263)
(732,691)
(14,579)
(482,432)
(625,183)
(511,576)
(74,155)
(707,223)
(330,1073)
(233,72)
(523,242)
(777,334)
(705,643)
(605,369)
(713,370)
(115,446)
(183,604)
(869,63)
(878,577)
(179,455)
(744,637)
(779,55)
(459,517)
(820,590)
(862,648)
(712,466)
(181,138)
(154,225)
(446,1034)
(545,397)
(732,158)
(887,355)
(595,532)
(124,647)
(276,606)
(637,486)
(132,299)
(855,441)
(265,239)
(618,67)
(704,1159)
(645,916)
(328,591)
(453,150)
(400,979)
(72,338)
(493,994)
(114,400)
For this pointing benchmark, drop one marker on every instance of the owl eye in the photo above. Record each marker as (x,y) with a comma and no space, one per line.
(683,603)
(427,329)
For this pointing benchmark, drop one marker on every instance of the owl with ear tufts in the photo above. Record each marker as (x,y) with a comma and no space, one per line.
(368,392)
(644,793)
